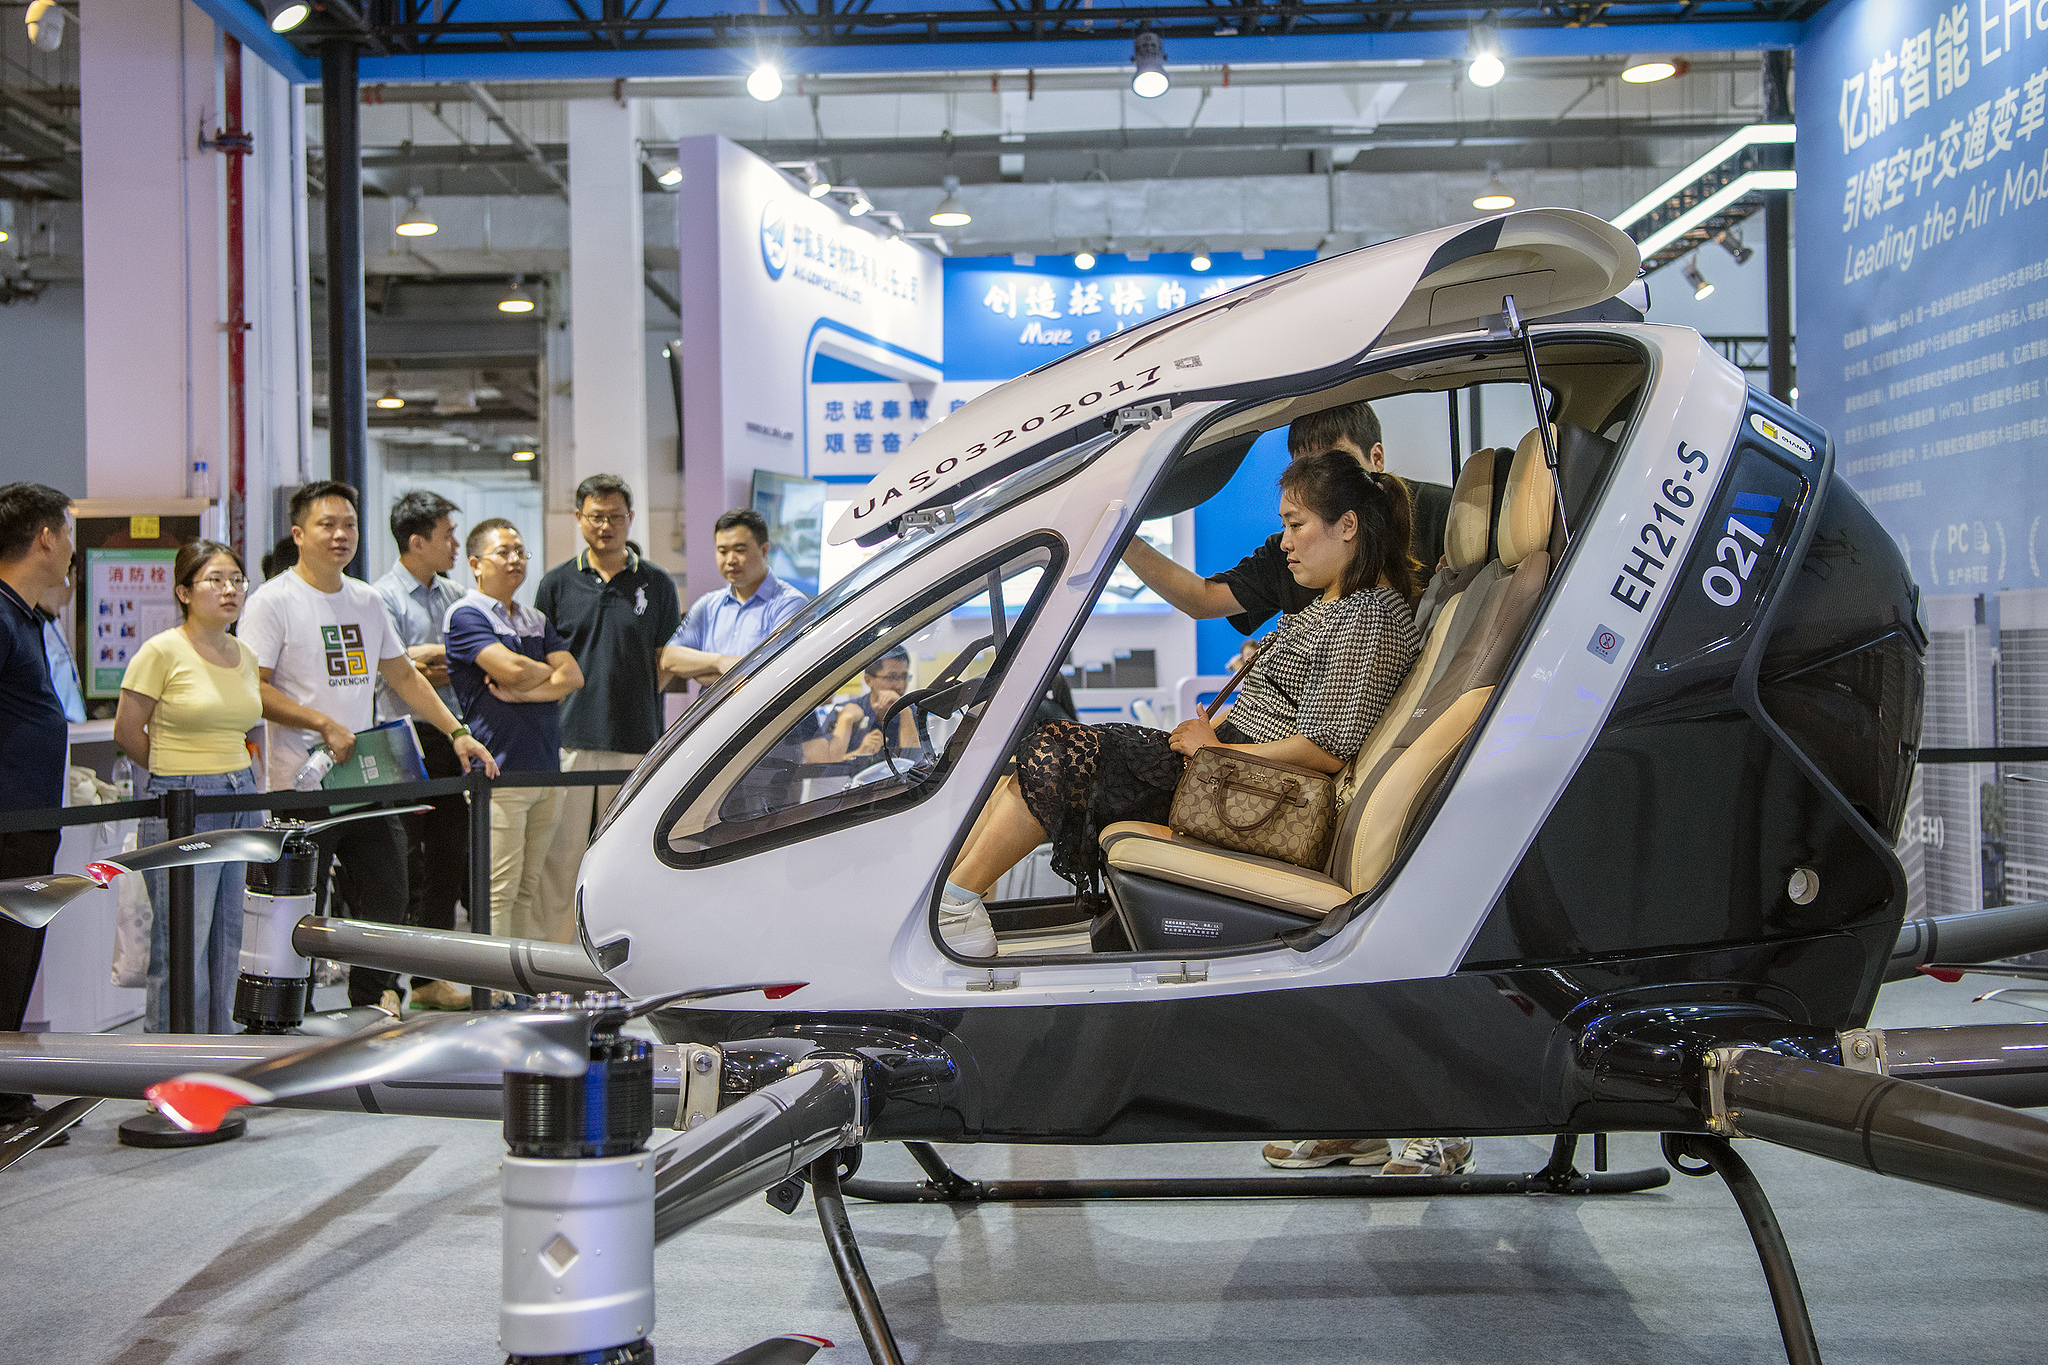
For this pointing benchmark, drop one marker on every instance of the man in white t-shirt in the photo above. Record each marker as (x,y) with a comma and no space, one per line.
(322,640)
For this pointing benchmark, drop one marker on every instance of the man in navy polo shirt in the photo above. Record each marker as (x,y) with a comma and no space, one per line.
(509,668)
(35,557)
(615,611)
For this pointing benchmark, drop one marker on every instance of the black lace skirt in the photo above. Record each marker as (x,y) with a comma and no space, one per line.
(1077,780)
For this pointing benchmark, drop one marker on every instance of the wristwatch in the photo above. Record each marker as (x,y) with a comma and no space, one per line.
(458,732)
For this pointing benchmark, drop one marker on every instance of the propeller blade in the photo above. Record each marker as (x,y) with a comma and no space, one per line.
(1956,971)
(793,1348)
(31,1137)
(265,845)
(774,990)
(33,902)
(554,1043)
(214,846)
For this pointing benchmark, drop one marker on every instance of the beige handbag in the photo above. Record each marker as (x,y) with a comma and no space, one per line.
(1255,805)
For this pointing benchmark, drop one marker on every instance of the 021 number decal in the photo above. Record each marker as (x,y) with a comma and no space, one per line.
(1751,520)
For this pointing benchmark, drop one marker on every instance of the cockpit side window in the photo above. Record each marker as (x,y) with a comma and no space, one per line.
(877,728)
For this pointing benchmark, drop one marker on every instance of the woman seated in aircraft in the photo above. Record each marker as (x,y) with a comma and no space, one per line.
(1312,698)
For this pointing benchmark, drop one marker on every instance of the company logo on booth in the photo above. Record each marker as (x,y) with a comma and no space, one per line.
(774,240)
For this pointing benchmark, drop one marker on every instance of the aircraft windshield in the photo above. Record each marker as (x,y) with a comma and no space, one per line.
(883,721)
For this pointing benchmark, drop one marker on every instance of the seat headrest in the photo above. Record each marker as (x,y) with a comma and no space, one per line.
(1471,509)
(1530,504)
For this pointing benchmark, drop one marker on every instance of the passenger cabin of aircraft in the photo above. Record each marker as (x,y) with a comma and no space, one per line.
(1174,894)
(813,759)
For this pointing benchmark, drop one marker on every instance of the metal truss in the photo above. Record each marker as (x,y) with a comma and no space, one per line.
(452,28)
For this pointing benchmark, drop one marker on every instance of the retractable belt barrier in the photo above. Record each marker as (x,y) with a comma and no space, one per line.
(180,807)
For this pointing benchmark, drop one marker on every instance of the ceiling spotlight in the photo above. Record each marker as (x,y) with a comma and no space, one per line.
(951,212)
(46,24)
(1200,260)
(1149,53)
(764,83)
(417,222)
(285,15)
(389,398)
(519,299)
(522,455)
(1655,69)
(857,203)
(1084,259)
(670,178)
(1486,69)
(820,188)
(1701,285)
(1495,196)
(1731,242)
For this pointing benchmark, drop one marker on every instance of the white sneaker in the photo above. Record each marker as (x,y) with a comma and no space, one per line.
(1432,1156)
(966,928)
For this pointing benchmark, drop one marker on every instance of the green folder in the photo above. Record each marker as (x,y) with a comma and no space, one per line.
(384,754)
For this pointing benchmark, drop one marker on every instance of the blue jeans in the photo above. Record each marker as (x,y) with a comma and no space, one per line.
(216,910)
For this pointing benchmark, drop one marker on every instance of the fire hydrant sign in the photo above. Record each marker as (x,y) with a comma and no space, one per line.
(128,599)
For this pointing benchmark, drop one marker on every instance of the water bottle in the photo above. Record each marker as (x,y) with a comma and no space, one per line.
(316,767)
(124,778)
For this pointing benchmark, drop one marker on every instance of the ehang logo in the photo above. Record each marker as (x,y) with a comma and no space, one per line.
(774,240)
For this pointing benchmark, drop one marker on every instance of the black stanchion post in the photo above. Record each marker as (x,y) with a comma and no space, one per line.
(479,867)
(179,819)
(153,1129)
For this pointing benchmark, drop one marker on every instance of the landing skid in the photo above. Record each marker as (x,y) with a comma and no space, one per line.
(944,1185)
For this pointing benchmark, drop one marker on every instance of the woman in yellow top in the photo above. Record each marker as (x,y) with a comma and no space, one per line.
(188,701)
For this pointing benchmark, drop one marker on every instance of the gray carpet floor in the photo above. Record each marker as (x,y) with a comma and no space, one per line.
(338,1240)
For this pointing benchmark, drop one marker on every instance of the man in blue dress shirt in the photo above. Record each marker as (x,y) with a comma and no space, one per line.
(417,596)
(35,557)
(722,626)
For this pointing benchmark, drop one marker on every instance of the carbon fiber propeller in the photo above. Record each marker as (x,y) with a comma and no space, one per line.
(794,1348)
(35,901)
(553,1041)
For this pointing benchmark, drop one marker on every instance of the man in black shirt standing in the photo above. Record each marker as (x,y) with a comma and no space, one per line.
(35,557)
(1260,587)
(615,611)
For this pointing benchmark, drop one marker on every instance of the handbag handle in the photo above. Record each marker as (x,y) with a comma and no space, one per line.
(1209,711)
(1286,795)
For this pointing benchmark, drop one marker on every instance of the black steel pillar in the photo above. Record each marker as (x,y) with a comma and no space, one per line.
(348,433)
(1778,232)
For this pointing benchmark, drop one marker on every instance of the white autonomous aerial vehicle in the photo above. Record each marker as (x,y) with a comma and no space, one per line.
(1617,858)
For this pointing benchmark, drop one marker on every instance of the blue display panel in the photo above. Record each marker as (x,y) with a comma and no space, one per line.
(1003,319)
(1923,275)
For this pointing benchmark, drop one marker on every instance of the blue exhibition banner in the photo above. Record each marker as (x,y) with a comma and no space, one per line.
(1004,319)
(1923,274)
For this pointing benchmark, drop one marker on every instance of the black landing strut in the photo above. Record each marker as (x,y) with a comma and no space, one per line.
(944,1185)
(1699,1154)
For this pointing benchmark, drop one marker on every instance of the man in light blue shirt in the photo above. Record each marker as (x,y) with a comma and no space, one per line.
(722,626)
(417,597)
(417,593)
(63,670)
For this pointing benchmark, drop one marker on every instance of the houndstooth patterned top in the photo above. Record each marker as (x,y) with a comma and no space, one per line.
(1329,671)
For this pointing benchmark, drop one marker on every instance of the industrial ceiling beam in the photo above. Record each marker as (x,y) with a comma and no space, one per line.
(1211,76)
(576,29)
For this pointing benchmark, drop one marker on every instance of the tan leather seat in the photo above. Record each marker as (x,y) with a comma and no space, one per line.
(1477,610)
